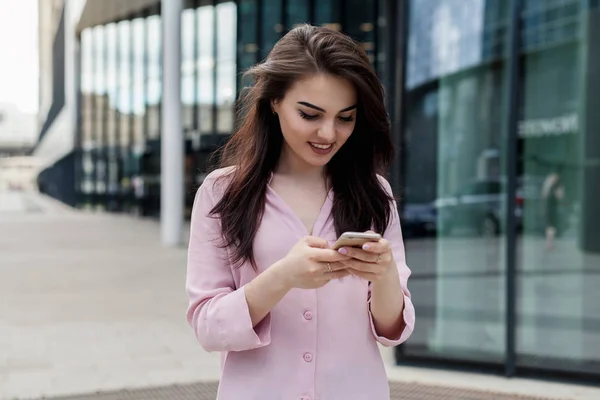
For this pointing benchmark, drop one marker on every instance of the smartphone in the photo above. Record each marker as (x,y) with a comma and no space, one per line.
(355,239)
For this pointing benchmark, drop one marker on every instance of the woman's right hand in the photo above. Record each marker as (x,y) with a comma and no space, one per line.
(307,265)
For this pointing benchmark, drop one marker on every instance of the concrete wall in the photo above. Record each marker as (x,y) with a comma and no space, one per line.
(98,12)
(48,17)
(59,140)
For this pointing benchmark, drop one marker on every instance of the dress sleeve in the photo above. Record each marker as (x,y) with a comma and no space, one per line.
(394,235)
(217,311)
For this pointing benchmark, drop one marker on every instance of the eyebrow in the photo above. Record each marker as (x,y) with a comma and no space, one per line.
(304,103)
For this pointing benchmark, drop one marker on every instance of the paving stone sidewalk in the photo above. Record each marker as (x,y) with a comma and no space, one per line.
(93,303)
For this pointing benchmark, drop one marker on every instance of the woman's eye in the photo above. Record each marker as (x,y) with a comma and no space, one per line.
(347,119)
(308,116)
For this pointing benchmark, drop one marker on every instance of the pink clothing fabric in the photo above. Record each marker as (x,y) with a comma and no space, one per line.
(314,344)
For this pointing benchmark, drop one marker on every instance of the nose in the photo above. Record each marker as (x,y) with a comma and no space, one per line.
(327,131)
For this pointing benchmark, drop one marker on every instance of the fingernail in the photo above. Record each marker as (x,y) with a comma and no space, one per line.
(343,250)
(366,247)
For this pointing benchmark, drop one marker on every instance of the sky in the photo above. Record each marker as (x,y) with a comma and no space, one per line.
(19,54)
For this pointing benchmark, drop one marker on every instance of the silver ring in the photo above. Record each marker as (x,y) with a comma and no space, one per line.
(328,267)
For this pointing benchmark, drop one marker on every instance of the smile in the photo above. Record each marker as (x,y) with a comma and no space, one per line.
(321,149)
(321,146)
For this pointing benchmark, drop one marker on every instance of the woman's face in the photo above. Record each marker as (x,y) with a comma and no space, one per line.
(317,116)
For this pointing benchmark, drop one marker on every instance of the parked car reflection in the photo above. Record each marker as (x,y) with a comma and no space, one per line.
(419,219)
(477,208)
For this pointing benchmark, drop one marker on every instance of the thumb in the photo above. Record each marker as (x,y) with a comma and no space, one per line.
(314,241)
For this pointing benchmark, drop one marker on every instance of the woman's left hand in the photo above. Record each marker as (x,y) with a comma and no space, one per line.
(373,262)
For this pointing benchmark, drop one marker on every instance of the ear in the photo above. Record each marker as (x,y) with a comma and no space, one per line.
(275,104)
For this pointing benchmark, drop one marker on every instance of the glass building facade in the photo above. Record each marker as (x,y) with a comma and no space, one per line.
(498,168)
(118,167)
(498,109)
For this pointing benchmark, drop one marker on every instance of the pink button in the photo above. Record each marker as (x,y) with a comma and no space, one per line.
(308,315)
(308,357)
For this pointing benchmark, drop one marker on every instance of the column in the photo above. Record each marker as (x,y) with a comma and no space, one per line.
(172,144)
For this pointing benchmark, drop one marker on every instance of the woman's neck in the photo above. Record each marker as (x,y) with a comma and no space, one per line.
(292,166)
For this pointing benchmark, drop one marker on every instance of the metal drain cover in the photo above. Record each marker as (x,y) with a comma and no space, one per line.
(208,391)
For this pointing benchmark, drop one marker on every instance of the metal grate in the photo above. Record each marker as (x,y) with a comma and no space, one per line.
(208,391)
(416,391)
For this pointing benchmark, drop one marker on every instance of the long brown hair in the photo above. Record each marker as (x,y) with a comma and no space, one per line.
(360,201)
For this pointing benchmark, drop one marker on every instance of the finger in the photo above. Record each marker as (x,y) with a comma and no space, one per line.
(361,265)
(329,267)
(368,276)
(327,255)
(316,242)
(335,266)
(382,246)
(359,254)
(338,274)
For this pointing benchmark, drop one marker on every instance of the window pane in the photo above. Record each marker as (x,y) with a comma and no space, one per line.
(125,107)
(248,46)
(327,13)
(205,68)
(386,23)
(226,66)
(87,102)
(454,155)
(112,88)
(139,80)
(111,82)
(557,196)
(100,107)
(297,13)
(452,41)
(124,82)
(272,26)
(188,89)
(139,105)
(360,23)
(154,70)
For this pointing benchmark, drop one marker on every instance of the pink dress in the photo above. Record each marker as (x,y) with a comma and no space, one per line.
(316,344)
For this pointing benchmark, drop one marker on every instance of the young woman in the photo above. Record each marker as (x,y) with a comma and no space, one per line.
(293,318)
